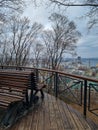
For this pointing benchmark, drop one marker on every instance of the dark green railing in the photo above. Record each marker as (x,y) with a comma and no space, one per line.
(78,89)
(93,98)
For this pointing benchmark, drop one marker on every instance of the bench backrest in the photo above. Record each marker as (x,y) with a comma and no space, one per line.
(19,80)
(14,85)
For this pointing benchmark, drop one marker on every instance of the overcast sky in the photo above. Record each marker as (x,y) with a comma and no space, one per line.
(87,46)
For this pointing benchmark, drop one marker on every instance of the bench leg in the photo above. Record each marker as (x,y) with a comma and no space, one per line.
(42,94)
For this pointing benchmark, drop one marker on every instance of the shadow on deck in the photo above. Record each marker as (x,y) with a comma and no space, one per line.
(53,114)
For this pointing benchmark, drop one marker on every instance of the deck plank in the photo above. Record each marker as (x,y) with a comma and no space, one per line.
(80,119)
(66,116)
(53,114)
(47,116)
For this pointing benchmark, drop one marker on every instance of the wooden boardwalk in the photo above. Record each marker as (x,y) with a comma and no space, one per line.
(53,114)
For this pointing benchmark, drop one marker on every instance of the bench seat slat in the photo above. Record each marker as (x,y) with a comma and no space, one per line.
(21,87)
(14,83)
(3,105)
(7,97)
(5,88)
(14,78)
(17,74)
(13,94)
(14,86)
(8,100)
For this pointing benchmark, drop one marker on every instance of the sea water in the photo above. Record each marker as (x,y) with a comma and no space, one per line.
(91,62)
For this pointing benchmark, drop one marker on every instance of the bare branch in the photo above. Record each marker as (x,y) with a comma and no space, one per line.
(8,7)
(73,4)
(63,36)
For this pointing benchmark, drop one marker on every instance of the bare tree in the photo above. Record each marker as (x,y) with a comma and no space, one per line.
(92,5)
(74,3)
(37,53)
(21,36)
(4,55)
(92,14)
(8,7)
(61,39)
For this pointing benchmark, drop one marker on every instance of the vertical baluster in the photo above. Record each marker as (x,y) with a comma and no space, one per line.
(37,75)
(56,84)
(89,97)
(2,66)
(81,92)
(85,98)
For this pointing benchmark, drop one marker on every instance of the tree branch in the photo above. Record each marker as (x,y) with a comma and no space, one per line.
(66,4)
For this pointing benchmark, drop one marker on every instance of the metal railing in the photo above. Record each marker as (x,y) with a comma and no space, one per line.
(93,98)
(78,89)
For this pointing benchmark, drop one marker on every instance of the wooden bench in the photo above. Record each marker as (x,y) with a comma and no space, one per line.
(18,90)
(13,86)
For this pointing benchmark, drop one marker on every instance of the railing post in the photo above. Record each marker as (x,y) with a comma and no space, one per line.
(37,75)
(56,84)
(89,98)
(85,98)
(2,66)
(81,91)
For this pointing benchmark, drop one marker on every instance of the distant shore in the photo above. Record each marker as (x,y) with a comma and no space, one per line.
(91,62)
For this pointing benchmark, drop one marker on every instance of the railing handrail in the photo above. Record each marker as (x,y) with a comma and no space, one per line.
(60,72)
(83,79)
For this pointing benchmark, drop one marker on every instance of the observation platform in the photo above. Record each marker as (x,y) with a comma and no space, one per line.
(53,114)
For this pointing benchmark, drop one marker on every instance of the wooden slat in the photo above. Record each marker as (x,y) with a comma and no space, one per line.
(3,104)
(46,113)
(12,94)
(9,99)
(13,72)
(14,78)
(13,84)
(5,88)
(53,114)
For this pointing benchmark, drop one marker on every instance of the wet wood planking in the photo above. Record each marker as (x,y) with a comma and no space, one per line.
(53,114)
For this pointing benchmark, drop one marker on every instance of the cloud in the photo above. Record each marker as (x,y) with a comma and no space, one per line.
(87,42)
(38,14)
(88,46)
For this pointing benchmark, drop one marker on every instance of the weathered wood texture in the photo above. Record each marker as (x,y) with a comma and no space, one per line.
(13,86)
(53,114)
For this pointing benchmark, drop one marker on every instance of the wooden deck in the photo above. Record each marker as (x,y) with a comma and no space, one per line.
(53,114)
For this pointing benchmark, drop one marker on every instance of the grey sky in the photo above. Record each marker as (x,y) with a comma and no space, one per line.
(87,46)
